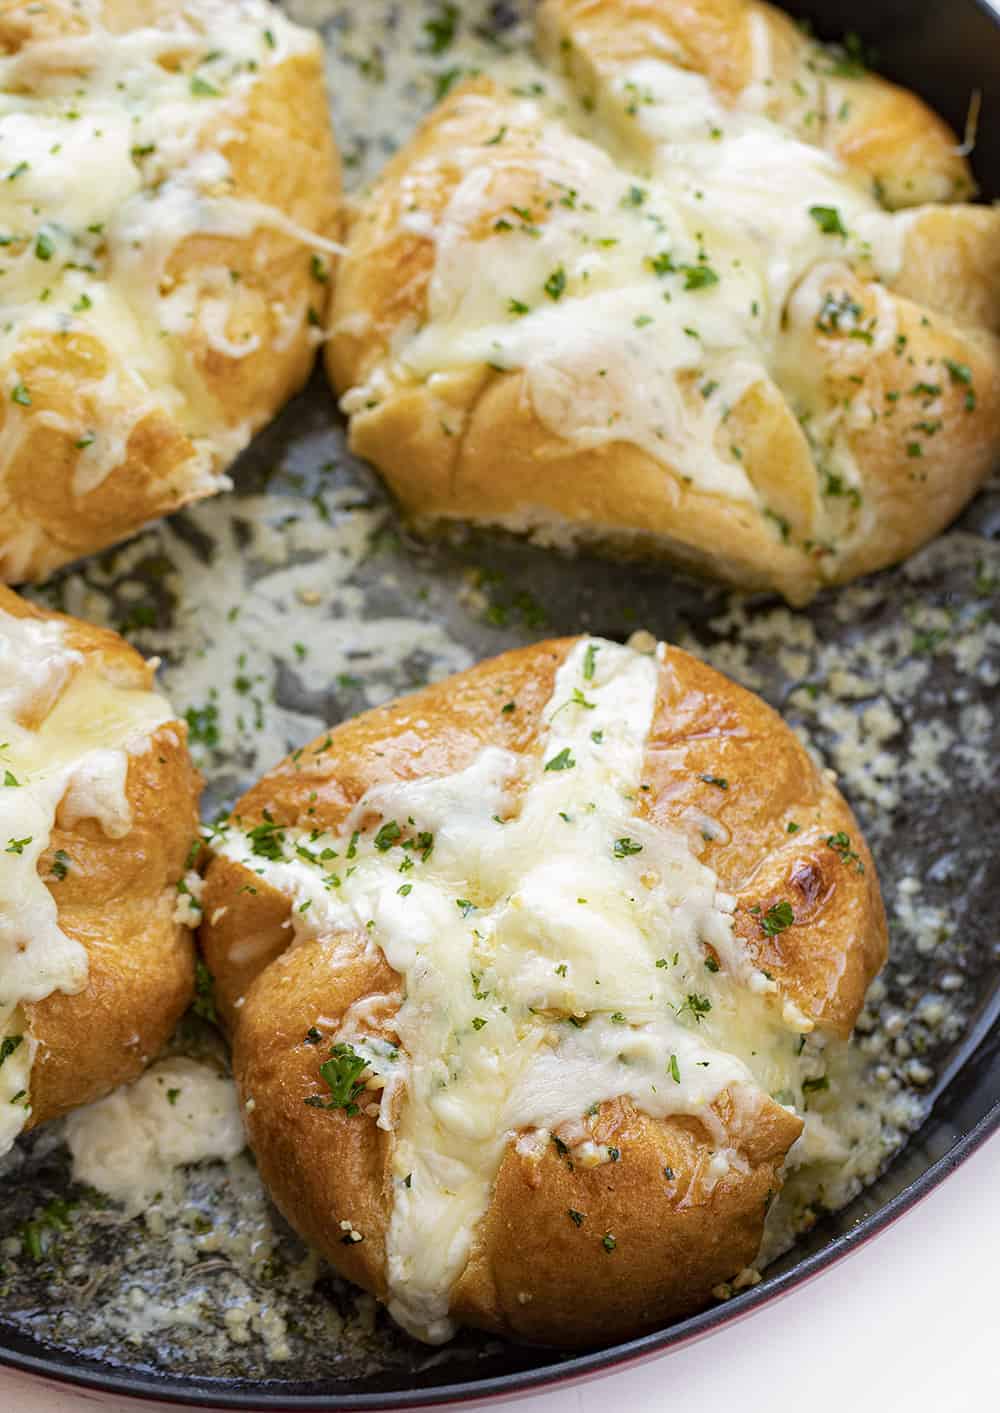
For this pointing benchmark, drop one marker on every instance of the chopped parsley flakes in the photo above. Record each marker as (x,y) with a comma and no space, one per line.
(777,918)
(695,1005)
(555,285)
(387,836)
(840,843)
(204,993)
(60,864)
(828,220)
(699,276)
(440,29)
(341,1074)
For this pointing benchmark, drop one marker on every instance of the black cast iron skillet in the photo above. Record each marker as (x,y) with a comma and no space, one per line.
(943,52)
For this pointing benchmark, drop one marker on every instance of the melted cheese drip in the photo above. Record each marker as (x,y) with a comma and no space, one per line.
(129,1144)
(552,948)
(107,163)
(66,733)
(663,178)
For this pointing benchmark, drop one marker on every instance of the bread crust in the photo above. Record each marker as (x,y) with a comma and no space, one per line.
(468,443)
(889,134)
(533,1272)
(226,373)
(117,900)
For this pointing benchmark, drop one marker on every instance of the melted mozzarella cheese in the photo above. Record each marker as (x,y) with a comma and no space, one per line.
(109,159)
(643,284)
(179,1112)
(66,733)
(552,944)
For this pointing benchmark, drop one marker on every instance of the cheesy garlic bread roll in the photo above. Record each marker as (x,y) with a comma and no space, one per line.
(98,810)
(168,187)
(697,288)
(534,979)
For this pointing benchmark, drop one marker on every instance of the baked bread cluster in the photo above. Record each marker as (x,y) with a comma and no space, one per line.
(98,810)
(534,979)
(694,287)
(539,981)
(168,191)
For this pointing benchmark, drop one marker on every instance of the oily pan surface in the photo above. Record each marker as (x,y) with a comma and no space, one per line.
(299,601)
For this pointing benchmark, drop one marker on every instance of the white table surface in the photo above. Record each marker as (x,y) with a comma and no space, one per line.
(907,1325)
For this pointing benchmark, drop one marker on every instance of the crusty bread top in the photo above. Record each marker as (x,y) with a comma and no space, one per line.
(170,192)
(683,282)
(97,811)
(705,726)
(572,875)
(753,53)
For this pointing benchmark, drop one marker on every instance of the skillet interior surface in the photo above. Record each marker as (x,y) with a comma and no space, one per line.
(893,681)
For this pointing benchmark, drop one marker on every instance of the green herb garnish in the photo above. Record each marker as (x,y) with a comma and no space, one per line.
(698,1006)
(387,836)
(555,285)
(204,993)
(699,276)
(828,220)
(201,88)
(341,1076)
(440,29)
(777,918)
(840,843)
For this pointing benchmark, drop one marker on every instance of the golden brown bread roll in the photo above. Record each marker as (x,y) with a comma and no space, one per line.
(170,187)
(683,292)
(534,978)
(98,811)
